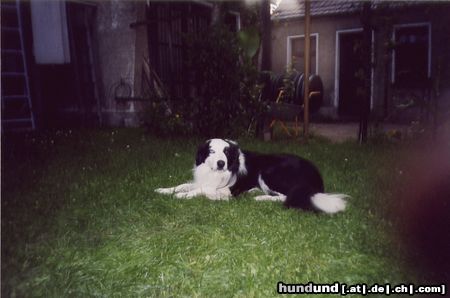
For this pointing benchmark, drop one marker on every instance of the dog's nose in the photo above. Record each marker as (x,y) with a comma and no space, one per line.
(220,164)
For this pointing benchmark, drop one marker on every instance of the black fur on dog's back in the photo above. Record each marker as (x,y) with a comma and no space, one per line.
(288,178)
(291,175)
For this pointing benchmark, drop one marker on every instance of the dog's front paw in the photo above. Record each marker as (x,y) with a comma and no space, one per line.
(218,197)
(164,190)
(279,198)
(183,195)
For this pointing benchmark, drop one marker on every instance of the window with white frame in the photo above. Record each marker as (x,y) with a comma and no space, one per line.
(296,50)
(411,56)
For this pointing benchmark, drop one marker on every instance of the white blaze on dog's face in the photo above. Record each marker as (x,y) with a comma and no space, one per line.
(217,160)
(217,164)
(219,155)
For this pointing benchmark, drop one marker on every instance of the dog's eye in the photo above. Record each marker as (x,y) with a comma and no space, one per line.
(211,151)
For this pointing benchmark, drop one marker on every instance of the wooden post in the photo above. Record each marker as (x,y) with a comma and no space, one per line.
(306,71)
(265,62)
(366,17)
(266,37)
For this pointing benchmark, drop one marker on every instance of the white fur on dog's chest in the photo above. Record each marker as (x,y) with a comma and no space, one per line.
(214,173)
(203,176)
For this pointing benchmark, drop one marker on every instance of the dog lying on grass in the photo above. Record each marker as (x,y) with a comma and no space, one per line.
(222,170)
(217,166)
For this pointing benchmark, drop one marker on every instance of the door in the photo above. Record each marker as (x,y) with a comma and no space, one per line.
(350,78)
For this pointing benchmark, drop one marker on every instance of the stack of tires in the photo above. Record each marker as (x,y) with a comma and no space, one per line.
(274,83)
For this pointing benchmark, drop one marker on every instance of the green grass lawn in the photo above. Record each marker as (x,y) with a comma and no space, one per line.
(80,218)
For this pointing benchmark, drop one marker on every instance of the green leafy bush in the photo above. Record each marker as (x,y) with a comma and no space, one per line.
(166,118)
(225,93)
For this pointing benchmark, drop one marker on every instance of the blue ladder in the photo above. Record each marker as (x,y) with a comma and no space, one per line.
(17,111)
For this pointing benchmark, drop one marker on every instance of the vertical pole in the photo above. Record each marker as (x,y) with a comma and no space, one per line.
(306,71)
(266,35)
(262,127)
(215,13)
(367,67)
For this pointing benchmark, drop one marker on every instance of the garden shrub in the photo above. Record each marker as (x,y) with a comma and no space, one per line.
(225,93)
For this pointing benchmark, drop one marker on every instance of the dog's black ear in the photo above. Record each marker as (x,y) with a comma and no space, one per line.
(232,153)
(202,153)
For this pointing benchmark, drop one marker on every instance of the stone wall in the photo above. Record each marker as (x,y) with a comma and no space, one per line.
(116,47)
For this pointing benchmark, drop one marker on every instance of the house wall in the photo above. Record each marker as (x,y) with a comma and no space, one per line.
(116,43)
(121,49)
(327,26)
(436,15)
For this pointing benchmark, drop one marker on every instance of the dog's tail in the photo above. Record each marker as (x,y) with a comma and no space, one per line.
(307,199)
(329,203)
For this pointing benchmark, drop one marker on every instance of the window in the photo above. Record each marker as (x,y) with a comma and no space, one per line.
(411,62)
(233,20)
(295,56)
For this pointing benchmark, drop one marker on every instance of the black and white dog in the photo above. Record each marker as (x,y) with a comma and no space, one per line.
(222,169)
(218,165)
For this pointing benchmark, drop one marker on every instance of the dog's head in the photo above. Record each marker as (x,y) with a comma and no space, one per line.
(220,155)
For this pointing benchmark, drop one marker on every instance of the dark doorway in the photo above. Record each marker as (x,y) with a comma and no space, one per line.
(350,79)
